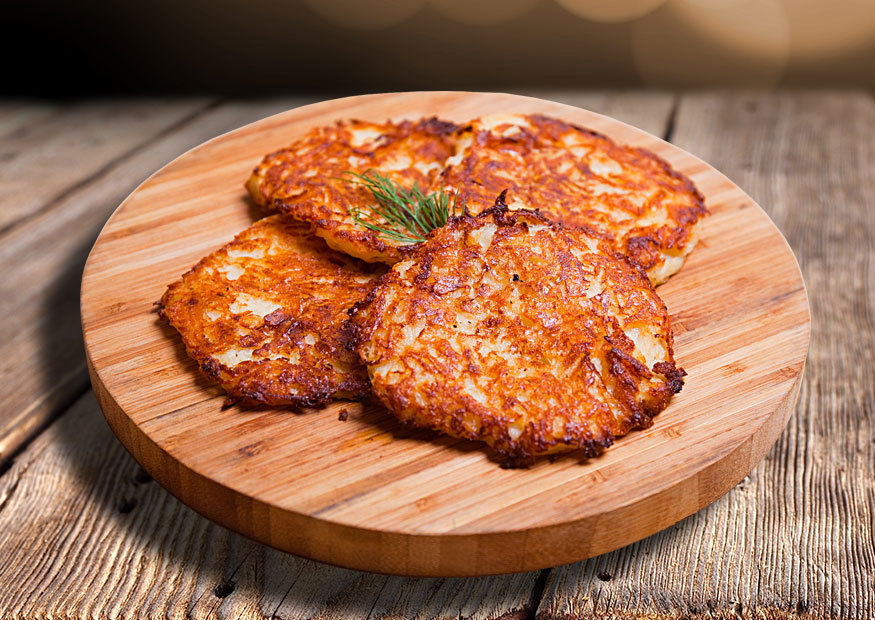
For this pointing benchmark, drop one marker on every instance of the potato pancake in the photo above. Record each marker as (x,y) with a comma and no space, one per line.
(264,316)
(304,179)
(575,176)
(510,329)
(580,178)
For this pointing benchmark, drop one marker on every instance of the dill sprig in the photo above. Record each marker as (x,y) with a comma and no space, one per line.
(399,214)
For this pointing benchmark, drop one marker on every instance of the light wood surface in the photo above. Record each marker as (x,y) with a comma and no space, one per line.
(368,494)
(793,539)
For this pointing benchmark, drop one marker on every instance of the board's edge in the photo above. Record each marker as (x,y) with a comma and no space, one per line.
(483,553)
(458,555)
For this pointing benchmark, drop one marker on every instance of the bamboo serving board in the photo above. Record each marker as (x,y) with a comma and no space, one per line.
(367,493)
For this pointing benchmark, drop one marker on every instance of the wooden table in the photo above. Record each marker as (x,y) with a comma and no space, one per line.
(84,533)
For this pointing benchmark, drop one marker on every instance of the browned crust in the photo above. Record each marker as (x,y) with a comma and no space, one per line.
(538,166)
(303,178)
(576,333)
(313,288)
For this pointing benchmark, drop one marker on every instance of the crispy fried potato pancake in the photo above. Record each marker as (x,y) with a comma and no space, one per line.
(303,179)
(264,316)
(581,178)
(509,329)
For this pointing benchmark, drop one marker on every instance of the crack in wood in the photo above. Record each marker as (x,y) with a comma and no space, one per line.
(668,134)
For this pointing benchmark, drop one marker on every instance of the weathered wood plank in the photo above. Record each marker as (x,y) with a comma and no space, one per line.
(41,259)
(649,111)
(46,157)
(83,534)
(15,114)
(796,537)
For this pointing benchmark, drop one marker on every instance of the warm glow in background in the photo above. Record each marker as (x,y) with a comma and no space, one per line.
(267,46)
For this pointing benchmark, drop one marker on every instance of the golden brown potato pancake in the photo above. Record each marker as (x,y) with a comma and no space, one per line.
(304,181)
(265,315)
(575,176)
(581,178)
(509,329)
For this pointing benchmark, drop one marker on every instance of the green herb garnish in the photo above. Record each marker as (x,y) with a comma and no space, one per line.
(405,215)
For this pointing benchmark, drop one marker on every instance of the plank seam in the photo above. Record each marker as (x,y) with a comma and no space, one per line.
(282,600)
(229,579)
(531,613)
(4,500)
(8,495)
(668,134)
(377,599)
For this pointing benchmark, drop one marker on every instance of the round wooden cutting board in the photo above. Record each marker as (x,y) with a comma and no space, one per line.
(367,493)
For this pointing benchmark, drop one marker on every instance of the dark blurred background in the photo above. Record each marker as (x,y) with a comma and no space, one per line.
(63,49)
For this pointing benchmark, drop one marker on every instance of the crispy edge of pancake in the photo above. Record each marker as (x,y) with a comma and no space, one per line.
(324,202)
(659,249)
(447,403)
(238,304)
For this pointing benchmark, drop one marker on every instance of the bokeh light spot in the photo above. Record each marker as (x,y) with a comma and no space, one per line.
(821,29)
(484,12)
(610,11)
(693,43)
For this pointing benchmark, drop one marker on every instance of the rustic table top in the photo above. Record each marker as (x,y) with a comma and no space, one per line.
(84,533)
